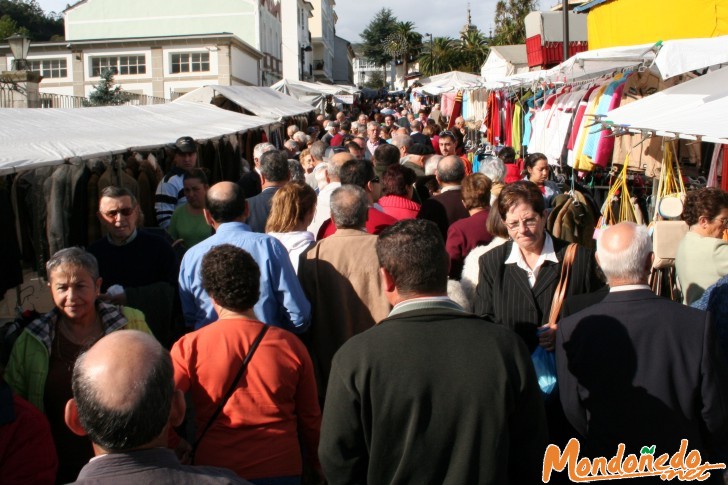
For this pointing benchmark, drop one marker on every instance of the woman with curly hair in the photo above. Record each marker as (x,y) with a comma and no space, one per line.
(702,257)
(257,431)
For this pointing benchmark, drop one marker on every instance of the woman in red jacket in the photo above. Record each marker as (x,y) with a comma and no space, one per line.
(397,188)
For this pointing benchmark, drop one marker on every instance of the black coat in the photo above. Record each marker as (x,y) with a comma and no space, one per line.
(420,138)
(259,207)
(641,370)
(504,295)
(250,183)
(444,209)
(433,395)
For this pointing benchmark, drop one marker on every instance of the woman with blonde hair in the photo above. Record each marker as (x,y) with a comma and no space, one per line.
(292,210)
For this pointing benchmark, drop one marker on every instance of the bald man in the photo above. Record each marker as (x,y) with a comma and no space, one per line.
(446,207)
(640,369)
(282,302)
(124,400)
(333,182)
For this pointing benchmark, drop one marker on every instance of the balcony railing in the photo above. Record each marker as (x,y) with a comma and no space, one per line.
(52,100)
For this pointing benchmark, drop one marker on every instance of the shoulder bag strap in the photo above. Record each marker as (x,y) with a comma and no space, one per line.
(230,391)
(560,292)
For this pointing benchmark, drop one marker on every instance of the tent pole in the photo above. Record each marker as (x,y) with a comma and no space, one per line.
(724,179)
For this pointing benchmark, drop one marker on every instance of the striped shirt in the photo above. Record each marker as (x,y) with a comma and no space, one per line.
(170,195)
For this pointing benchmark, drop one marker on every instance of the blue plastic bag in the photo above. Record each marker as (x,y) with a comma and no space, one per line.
(545,364)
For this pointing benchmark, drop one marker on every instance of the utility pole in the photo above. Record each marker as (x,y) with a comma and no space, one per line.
(565,8)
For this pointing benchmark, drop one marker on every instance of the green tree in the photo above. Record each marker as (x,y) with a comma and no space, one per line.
(30,19)
(382,26)
(412,45)
(509,22)
(473,50)
(375,81)
(105,93)
(8,27)
(442,56)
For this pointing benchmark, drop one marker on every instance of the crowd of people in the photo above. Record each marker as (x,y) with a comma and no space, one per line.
(360,307)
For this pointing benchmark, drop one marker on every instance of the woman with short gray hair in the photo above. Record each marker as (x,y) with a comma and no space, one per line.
(495,170)
(41,361)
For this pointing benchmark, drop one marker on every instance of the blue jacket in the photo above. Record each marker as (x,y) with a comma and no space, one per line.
(282,302)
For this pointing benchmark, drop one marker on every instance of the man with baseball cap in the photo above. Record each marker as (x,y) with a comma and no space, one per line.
(170,191)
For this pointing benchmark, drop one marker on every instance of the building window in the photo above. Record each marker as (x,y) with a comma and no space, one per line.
(190,62)
(132,65)
(123,65)
(49,68)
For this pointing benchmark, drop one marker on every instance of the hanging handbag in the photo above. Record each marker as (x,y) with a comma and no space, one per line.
(229,392)
(560,293)
(670,188)
(543,360)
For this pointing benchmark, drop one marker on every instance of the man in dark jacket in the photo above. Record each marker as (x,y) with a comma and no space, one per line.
(446,207)
(640,369)
(432,394)
(274,174)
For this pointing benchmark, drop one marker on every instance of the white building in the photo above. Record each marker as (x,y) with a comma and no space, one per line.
(363,67)
(296,46)
(255,22)
(322,27)
(164,67)
(343,61)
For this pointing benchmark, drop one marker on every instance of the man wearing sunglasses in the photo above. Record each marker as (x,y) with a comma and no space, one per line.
(138,268)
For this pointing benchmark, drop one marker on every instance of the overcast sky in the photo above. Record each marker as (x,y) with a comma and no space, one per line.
(438,17)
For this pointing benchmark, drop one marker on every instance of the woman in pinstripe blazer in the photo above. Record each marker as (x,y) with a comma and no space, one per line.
(518,279)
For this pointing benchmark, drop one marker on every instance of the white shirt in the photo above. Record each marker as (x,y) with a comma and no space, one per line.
(547,254)
(323,208)
(619,288)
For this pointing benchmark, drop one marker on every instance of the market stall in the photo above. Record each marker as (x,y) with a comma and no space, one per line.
(316,94)
(33,138)
(252,100)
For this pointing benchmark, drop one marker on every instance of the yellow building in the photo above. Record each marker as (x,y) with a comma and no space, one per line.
(612,23)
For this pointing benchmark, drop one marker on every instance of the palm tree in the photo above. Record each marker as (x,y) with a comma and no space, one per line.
(441,57)
(412,44)
(509,24)
(474,47)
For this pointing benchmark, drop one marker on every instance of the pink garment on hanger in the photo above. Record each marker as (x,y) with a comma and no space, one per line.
(605,148)
(447,102)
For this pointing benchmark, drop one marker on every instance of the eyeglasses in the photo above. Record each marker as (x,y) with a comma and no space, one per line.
(447,133)
(529,223)
(125,211)
(723,221)
(339,149)
(375,180)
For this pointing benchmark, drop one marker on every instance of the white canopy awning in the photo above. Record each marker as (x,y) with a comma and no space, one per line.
(520,79)
(670,58)
(693,109)
(449,82)
(32,138)
(260,101)
(593,63)
(685,55)
(313,94)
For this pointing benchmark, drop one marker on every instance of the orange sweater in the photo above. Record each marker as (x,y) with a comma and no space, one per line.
(256,433)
